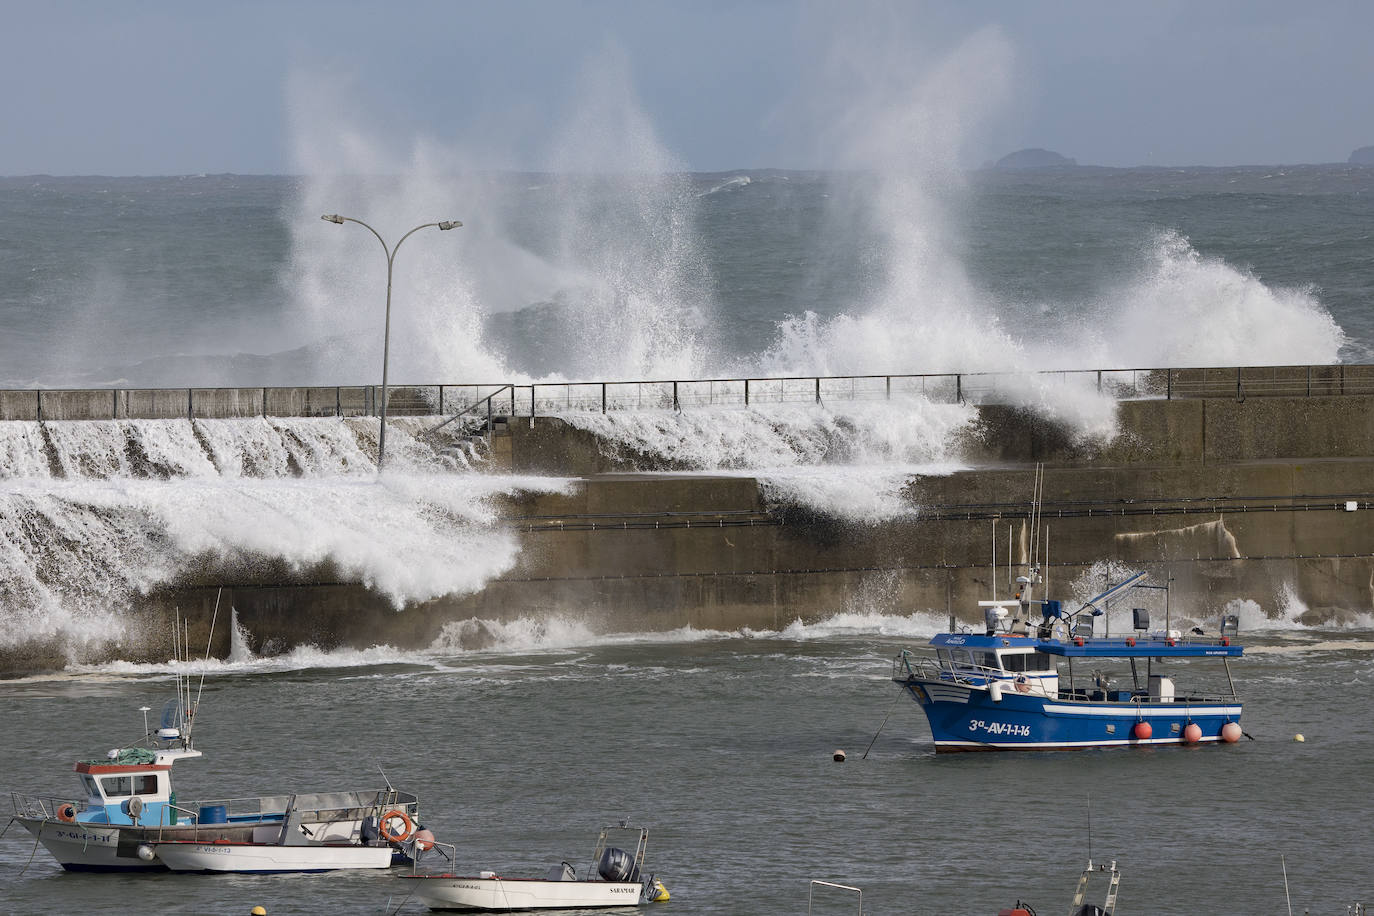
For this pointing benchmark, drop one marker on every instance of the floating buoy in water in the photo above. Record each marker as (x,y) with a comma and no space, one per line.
(1299,738)
(839,755)
(658,893)
(1230,732)
(1192,733)
(257,911)
(1142,730)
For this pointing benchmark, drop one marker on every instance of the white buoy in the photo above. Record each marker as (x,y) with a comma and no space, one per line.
(839,755)
(1299,738)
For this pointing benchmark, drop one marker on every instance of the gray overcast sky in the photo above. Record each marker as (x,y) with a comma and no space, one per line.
(154,87)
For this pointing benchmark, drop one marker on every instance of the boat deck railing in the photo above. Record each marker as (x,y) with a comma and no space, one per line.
(907,666)
(269,810)
(42,806)
(448,850)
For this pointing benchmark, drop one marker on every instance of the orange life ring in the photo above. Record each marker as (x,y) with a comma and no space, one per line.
(384,825)
(66,812)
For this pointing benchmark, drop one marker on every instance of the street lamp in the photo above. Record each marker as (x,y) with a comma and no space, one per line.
(386,338)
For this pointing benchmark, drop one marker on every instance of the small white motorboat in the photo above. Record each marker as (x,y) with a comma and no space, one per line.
(613,879)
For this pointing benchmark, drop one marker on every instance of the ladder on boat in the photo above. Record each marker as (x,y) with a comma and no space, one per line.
(1109,905)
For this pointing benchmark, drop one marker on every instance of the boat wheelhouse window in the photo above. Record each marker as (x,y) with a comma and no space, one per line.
(145,784)
(1034,662)
(117,786)
(943,656)
(985,659)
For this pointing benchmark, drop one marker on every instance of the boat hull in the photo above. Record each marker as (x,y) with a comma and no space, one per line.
(445,892)
(91,847)
(967,718)
(267,858)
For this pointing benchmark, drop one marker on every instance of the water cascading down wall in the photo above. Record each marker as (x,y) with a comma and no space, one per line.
(111,528)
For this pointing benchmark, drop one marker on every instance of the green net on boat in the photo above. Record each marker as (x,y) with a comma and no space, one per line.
(126,756)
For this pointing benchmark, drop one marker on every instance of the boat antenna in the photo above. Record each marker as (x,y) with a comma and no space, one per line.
(176,655)
(1045,588)
(994,558)
(208,640)
(389,786)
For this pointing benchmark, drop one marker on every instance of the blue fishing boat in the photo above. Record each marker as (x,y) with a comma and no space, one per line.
(1014,686)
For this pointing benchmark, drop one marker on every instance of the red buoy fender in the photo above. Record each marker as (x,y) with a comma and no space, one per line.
(1142,730)
(66,813)
(1130,640)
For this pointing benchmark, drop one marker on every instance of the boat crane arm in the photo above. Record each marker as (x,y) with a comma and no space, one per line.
(1109,593)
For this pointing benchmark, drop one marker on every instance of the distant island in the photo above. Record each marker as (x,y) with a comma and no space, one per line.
(1034,159)
(1362,156)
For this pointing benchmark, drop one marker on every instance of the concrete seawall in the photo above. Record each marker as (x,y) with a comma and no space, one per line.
(1267,499)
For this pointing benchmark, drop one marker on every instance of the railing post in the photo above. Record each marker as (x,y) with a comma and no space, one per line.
(889,387)
(531,402)
(746,392)
(603,397)
(1168,384)
(958,389)
(1099,381)
(676,406)
(512,400)
(1239,395)
(190,407)
(818,389)
(441,400)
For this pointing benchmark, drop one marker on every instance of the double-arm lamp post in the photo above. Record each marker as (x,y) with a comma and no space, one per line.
(386,337)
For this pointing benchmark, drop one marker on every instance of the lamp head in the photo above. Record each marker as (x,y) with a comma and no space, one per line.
(333,218)
(449,224)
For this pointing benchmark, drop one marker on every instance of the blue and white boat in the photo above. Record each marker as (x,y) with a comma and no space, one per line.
(128,817)
(1031,686)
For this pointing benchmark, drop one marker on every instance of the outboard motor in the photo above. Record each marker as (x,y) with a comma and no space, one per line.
(617,865)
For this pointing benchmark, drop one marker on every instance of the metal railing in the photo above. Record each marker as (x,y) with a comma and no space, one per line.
(545,398)
(907,666)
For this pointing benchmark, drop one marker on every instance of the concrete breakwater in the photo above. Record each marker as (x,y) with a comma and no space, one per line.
(1261,499)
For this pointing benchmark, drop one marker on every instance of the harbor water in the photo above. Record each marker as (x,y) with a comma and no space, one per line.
(722,744)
